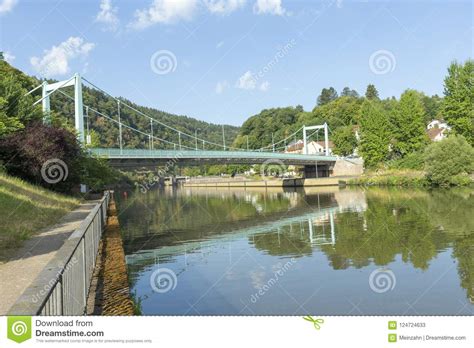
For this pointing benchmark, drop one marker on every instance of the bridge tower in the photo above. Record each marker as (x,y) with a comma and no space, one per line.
(326,140)
(49,89)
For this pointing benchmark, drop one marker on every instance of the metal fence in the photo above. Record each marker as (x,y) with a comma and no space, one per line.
(62,287)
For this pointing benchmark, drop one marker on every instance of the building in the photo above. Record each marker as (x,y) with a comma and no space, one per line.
(437,130)
(314,147)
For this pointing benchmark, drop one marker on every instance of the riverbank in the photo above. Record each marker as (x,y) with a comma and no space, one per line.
(109,293)
(27,262)
(26,209)
(404,178)
(297,182)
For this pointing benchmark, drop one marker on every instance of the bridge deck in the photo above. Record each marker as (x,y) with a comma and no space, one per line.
(137,157)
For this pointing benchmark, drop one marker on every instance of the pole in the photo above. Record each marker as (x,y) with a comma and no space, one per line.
(273,143)
(120,126)
(247,142)
(223,136)
(305,149)
(195,138)
(326,140)
(151,132)
(88,136)
(46,105)
(78,108)
(179,137)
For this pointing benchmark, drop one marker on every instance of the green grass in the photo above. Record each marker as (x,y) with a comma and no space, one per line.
(25,209)
(391,177)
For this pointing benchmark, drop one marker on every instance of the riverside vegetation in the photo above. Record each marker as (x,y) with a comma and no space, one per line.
(389,134)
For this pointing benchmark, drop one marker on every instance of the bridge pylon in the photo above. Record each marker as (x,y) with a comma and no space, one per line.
(49,89)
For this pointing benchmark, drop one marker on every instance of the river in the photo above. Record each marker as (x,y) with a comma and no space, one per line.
(324,251)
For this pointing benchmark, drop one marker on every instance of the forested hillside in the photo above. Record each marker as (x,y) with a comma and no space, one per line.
(14,84)
(389,129)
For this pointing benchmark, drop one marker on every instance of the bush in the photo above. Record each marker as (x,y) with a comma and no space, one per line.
(414,160)
(449,161)
(26,153)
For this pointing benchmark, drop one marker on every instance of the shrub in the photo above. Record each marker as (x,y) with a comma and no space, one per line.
(25,153)
(449,161)
(414,160)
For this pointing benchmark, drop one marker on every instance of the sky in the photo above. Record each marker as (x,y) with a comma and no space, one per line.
(223,61)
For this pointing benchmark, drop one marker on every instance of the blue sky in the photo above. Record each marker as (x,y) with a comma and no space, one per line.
(224,60)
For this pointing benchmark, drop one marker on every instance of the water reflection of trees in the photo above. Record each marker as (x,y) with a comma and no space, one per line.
(375,226)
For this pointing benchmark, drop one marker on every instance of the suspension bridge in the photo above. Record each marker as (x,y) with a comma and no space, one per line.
(165,151)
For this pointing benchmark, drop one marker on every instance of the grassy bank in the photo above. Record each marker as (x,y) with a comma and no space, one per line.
(392,177)
(25,209)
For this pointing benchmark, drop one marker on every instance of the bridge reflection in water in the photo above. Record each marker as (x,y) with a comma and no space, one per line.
(225,244)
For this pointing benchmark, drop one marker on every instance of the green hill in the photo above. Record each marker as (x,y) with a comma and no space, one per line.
(13,106)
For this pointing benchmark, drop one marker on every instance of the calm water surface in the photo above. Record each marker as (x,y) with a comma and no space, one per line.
(327,251)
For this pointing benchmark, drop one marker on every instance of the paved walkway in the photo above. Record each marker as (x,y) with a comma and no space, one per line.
(29,260)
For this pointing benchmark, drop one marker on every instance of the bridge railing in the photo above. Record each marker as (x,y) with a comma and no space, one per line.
(177,154)
(62,287)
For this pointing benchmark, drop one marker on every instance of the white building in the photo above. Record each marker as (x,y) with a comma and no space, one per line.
(314,147)
(437,130)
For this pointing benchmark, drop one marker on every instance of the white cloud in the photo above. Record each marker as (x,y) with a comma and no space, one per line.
(339,3)
(7,5)
(108,15)
(164,11)
(55,61)
(264,86)
(223,7)
(9,58)
(269,7)
(246,81)
(221,86)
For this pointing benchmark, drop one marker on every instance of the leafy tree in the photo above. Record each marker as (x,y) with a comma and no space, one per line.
(432,107)
(16,109)
(408,123)
(344,141)
(327,95)
(458,104)
(449,161)
(374,134)
(371,93)
(340,112)
(259,128)
(26,152)
(347,92)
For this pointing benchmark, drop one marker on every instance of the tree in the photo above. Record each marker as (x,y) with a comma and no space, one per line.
(344,141)
(347,92)
(408,124)
(432,107)
(371,93)
(374,134)
(43,155)
(16,109)
(449,161)
(458,102)
(340,112)
(327,95)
